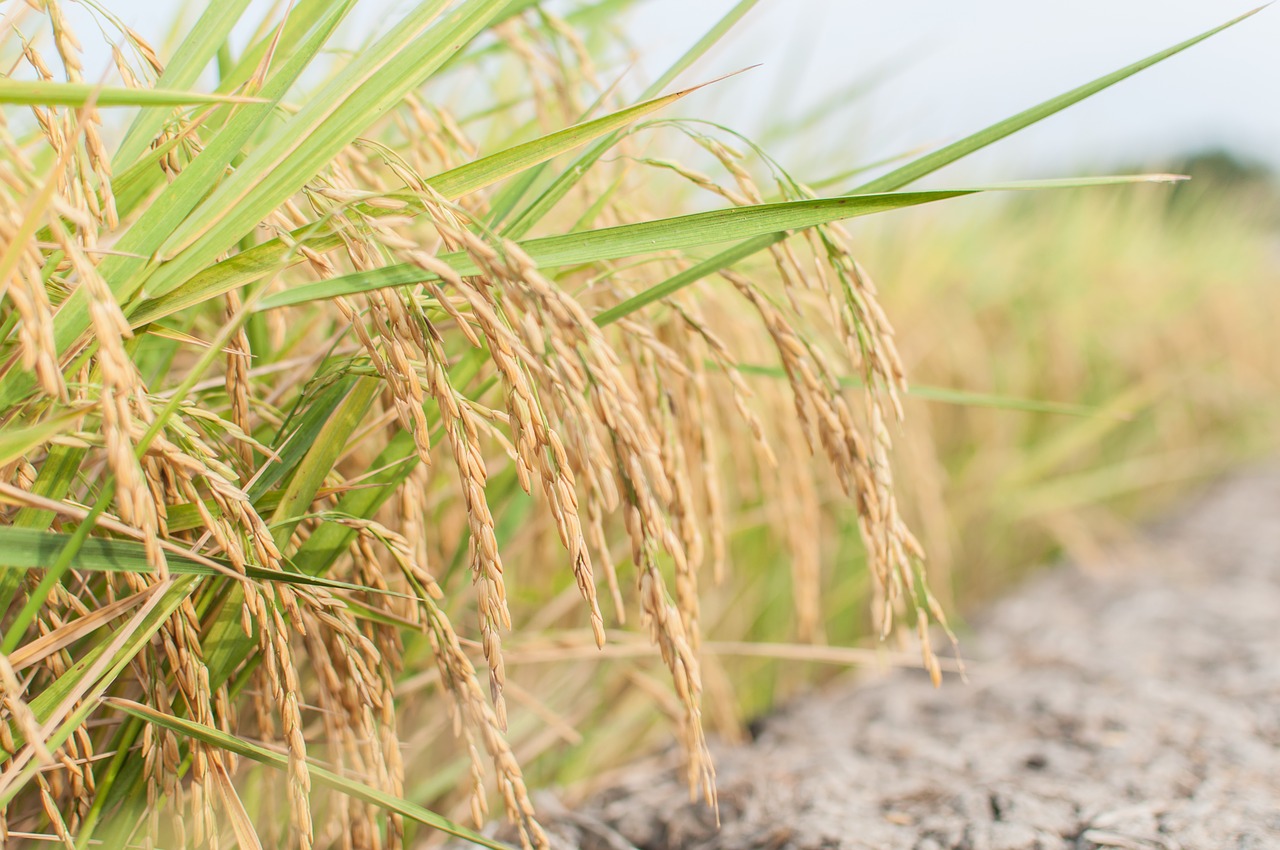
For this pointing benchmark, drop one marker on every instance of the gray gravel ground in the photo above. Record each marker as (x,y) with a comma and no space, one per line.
(1132,705)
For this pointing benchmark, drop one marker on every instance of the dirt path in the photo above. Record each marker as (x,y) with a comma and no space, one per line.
(1133,706)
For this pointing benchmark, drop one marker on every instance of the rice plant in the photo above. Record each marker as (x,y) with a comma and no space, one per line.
(310,380)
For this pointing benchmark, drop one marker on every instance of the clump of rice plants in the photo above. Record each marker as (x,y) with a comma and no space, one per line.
(322,387)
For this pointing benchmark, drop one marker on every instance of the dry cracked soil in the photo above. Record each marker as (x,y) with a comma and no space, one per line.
(1134,704)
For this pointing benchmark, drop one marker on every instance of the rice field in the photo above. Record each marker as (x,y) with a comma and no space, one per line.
(386,433)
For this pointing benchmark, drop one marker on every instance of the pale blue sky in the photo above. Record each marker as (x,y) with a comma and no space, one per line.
(946,67)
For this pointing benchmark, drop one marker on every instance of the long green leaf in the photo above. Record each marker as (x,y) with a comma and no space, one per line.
(686,231)
(346,785)
(996,401)
(30,549)
(966,398)
(628,240)
(50,93)
(929,163)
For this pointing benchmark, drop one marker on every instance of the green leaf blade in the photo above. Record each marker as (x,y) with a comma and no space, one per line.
(346,785)
(629,240)
(50,93)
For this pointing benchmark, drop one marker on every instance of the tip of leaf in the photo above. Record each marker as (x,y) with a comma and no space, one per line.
(718,79)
